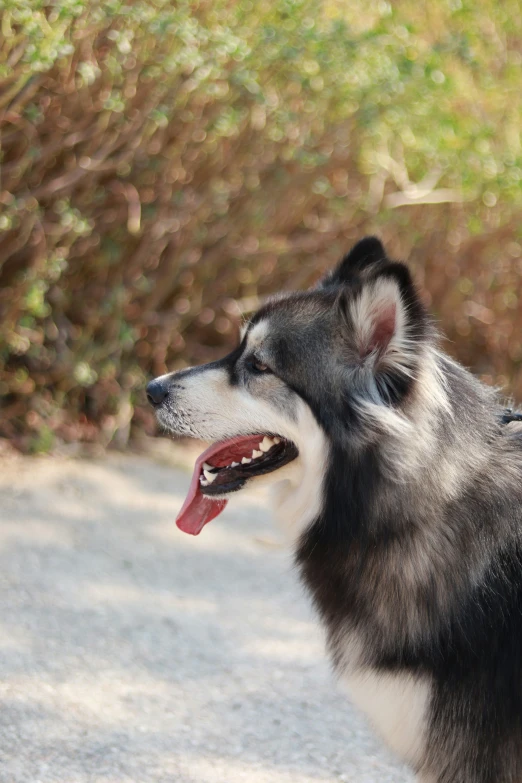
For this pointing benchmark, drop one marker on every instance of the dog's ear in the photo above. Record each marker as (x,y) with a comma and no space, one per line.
(383,320)
(366,253)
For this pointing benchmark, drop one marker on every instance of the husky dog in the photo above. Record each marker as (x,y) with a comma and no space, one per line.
(400,486)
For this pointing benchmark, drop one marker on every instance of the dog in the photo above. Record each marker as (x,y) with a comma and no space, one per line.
(397,476)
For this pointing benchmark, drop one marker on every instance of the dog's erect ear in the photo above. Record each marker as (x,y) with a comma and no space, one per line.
(365,254)
(383,321)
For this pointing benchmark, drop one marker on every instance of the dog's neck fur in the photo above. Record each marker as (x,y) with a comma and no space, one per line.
(359,539)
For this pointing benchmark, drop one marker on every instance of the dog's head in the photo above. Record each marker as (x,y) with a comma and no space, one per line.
(306,366)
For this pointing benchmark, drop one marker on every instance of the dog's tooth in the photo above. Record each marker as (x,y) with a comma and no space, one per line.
(234,464)
(266,444)
(203,481)
(206,466)
(277,440)
(210,477)
(245,460)
(256,454)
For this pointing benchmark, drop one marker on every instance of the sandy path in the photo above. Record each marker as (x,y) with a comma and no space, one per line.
(132,652)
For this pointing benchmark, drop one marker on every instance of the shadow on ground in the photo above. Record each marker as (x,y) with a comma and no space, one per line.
(132,652)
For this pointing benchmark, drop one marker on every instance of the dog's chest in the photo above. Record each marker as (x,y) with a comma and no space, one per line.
(397,706)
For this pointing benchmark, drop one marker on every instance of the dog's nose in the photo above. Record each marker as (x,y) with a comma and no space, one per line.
(156,392)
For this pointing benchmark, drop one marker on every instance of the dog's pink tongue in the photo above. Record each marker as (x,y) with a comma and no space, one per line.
(198,509)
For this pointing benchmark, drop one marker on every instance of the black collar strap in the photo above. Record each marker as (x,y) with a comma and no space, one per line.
(510,415)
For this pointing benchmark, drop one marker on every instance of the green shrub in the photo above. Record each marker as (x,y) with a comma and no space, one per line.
(165,164)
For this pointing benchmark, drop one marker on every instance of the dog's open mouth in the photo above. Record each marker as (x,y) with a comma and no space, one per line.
(226,467)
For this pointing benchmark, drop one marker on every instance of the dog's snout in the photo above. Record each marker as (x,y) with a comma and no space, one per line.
(157,390)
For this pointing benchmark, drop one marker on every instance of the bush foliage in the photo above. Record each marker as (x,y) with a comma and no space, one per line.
(166,164)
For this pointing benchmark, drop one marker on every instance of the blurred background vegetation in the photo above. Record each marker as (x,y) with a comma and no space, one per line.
(165,164)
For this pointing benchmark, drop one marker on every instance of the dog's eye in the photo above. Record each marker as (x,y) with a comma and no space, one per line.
(257,366)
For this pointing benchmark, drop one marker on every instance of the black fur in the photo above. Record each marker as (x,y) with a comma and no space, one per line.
(367,252)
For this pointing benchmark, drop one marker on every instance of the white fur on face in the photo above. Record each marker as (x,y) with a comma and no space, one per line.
(297,499)
(257,334)
(208,407)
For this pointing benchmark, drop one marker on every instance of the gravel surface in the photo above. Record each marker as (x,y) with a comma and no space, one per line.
(132,652)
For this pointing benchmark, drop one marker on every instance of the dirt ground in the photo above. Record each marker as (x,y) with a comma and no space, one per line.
(130,652)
